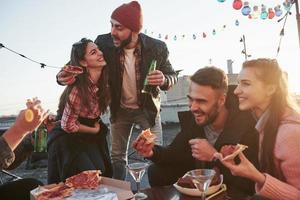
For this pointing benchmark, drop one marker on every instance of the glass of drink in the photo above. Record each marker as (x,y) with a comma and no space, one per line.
(137,170)
(201,179)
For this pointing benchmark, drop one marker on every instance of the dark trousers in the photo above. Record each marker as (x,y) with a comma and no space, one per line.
(164,175)
(19,189)
(89,159)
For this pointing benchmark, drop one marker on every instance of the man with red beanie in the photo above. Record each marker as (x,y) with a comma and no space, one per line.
(128,54)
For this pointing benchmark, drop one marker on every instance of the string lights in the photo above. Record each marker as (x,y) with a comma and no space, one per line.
(42,65)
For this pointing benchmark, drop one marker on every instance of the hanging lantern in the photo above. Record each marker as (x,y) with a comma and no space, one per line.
(278,11)
(237,23)
(183,36)
(221,1)
(237,4)
(175,38)
(204,35)
(264,13)
(194,37)
(166,37)
(255,12)
(246,9)
(159,35)
(271,13)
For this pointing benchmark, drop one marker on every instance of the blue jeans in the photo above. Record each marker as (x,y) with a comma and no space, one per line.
(121,130)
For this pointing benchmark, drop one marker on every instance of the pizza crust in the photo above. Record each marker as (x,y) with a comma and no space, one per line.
(238,149)
(73,69)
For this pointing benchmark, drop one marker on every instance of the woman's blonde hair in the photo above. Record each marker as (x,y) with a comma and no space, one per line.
(269,72)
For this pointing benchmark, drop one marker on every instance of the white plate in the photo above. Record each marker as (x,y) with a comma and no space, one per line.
(196,192)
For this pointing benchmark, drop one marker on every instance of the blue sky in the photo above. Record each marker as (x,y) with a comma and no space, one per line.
(45,30)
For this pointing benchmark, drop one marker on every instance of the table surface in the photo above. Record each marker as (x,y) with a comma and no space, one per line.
(170,193)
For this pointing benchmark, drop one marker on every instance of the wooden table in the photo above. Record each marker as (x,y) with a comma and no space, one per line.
(170,193)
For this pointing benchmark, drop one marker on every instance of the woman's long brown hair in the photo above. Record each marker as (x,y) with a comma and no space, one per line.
(77,54)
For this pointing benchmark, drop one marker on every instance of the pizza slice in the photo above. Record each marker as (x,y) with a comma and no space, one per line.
(229,152)
(146,135)
(89,179)
(59,191)
(73,69)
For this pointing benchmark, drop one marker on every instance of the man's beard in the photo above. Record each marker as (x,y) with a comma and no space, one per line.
(211,117)
(125,42)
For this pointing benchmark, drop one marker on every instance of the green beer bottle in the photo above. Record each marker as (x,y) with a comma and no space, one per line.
(40,139)
(146,88)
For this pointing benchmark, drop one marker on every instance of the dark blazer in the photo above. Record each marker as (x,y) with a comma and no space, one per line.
(150,49)
(239,128)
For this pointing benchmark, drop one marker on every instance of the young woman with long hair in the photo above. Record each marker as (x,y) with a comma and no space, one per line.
(79,143)
(263,89)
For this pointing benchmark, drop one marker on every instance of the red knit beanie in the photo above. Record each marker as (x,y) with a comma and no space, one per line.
(129,15)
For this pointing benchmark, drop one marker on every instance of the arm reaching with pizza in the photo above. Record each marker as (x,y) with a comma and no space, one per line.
(144,143)
(67,76)
(244,169)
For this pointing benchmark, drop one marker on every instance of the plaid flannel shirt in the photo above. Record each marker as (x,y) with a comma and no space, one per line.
(74,109)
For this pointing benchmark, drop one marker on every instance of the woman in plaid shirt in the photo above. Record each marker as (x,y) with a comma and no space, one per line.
(80,142)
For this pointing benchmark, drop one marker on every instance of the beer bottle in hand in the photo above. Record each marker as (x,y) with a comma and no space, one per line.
(146,88)
(40,139)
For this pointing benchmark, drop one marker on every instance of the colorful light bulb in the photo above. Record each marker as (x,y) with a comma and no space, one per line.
(255,13)
(278,11)
(237,4)
(271,13)
(264,13)
(214,32)
(246,9)
(287,4)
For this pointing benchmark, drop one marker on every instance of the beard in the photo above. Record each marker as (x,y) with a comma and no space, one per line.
(210,116)
(125,42)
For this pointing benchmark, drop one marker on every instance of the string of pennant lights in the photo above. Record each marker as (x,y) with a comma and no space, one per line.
(43,65)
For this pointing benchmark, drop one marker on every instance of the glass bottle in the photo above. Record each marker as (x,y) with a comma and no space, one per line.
(146,87)
(40,139)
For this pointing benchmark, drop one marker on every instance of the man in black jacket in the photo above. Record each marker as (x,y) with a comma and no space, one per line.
(128,54)
(214,120)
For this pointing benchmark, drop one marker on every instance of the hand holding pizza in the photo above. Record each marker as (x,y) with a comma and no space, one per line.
(244,169)
(144,143)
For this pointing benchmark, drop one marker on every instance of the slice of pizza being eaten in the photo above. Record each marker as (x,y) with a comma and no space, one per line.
(146,135)
(229,152)
(73,69)
(89,179)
